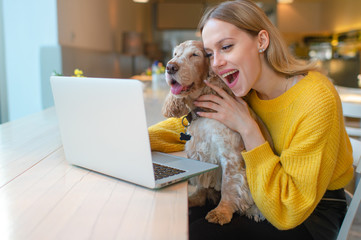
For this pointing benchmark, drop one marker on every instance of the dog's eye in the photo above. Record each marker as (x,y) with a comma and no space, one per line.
(195,55)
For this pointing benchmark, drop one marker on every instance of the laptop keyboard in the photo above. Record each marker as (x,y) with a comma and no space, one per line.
(161,171)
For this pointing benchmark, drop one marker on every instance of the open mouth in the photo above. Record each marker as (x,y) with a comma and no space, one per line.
(231,76)
(177,88)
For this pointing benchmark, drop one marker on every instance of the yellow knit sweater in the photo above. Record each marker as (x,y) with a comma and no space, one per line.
(313,152)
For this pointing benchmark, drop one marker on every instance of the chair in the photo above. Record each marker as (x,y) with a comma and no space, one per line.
(356,199)
(352,110)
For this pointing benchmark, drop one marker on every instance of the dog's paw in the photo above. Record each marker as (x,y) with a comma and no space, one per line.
(258,218)
(220,216)
(255,214)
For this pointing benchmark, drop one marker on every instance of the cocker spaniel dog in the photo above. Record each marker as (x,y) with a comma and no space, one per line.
(209,140)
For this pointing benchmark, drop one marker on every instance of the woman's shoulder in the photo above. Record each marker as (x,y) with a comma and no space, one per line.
(314,90)
(318,94)
(317,86)
(317,81)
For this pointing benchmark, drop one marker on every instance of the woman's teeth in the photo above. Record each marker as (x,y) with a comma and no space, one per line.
(228,73)
(230,76)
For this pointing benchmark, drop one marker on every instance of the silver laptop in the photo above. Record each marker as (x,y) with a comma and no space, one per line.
(103,128)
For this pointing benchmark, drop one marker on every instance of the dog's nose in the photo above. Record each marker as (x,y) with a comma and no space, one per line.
(172,68)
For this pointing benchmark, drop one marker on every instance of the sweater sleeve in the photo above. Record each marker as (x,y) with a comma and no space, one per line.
(164,136)
(287,188)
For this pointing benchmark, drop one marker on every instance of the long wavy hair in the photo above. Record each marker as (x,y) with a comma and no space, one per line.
(247,16)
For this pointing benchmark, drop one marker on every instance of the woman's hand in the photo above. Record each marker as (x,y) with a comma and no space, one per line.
(227,110)
(234,113)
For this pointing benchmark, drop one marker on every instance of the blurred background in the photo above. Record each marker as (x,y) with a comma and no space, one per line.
(122,38)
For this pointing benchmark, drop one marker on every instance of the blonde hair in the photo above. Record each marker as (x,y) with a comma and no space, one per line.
(247,16)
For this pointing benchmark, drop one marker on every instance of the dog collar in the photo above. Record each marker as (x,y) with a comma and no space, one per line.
(191,116)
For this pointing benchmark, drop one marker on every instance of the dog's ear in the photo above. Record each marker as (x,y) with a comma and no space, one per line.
(174,107)
(211,74)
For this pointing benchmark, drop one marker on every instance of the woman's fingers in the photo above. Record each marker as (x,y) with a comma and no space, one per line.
(242,101)
(208,102)
(209,97)
(219,116)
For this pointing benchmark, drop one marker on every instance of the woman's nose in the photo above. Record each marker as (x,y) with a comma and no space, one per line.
(217,60)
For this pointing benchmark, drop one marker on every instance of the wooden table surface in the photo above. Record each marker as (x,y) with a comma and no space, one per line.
(43,197)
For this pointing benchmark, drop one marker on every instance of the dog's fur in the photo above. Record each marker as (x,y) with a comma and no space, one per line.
(211,141)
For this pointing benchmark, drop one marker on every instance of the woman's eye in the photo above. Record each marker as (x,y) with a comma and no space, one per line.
(227,47)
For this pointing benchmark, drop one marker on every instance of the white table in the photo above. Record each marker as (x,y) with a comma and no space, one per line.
(43,197)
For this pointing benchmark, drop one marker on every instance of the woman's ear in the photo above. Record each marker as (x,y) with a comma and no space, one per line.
(263,40)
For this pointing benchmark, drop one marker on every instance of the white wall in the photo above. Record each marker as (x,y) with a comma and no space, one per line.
(3,92)
(28,27)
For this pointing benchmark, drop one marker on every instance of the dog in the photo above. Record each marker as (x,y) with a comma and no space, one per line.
(209,140)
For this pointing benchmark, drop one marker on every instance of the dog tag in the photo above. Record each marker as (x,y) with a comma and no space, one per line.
(185,136)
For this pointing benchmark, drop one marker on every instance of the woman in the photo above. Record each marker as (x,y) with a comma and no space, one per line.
(300,189)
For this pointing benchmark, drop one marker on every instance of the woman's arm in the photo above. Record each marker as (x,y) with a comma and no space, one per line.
(288,187)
